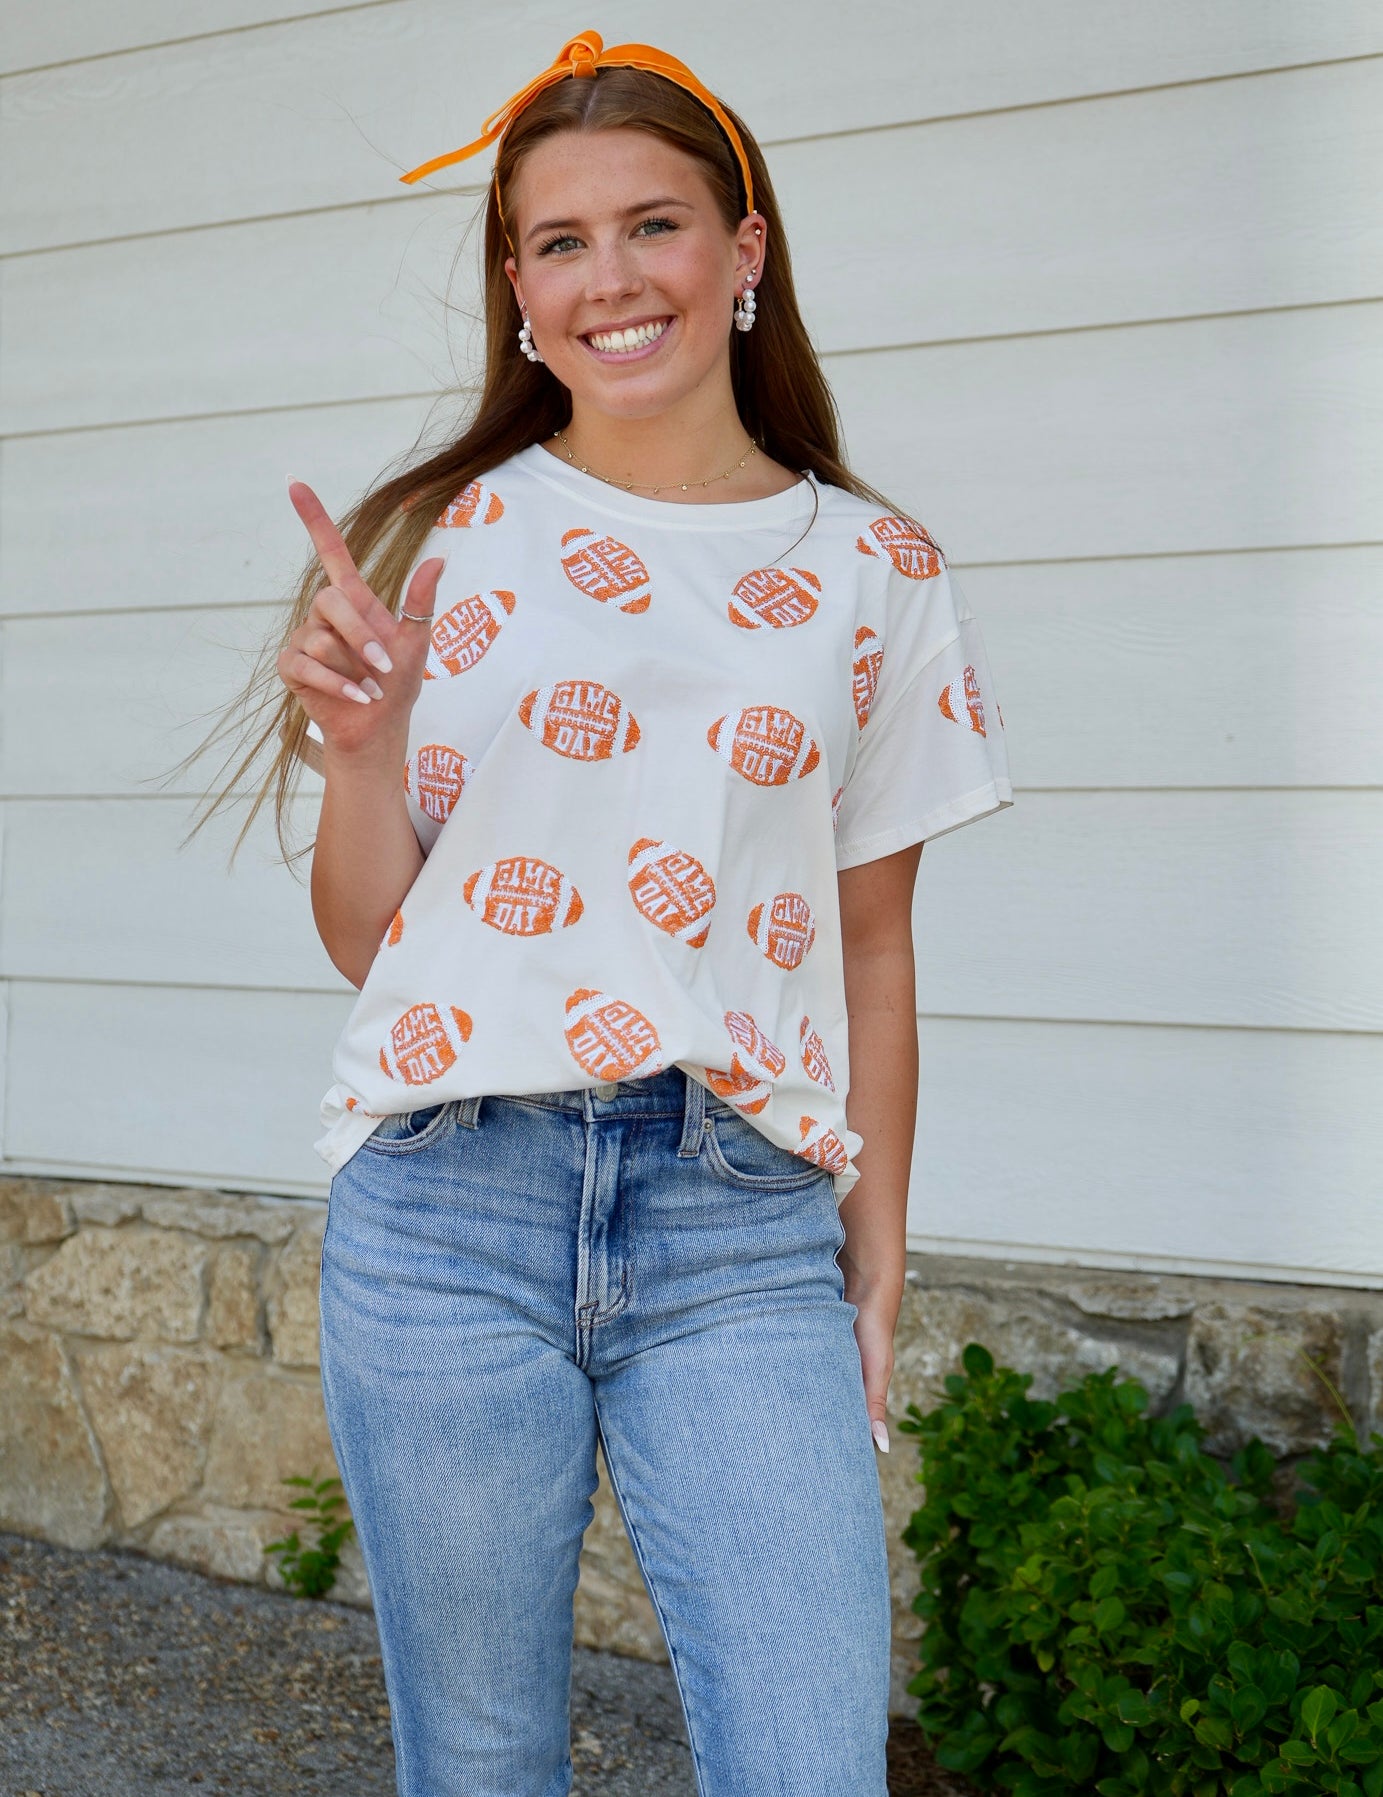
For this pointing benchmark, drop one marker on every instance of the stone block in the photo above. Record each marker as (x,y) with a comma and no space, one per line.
(226,1543)
(52,1483)
(292,1302)
(13,1266)
(220,1216)
(151,1408)
(121,1283)
(33,1212)
(1020,1330)
(613,1611)
(1375,1370)
(1144,1299)
(1246,1375)
(232,1314)
(111,1205)
(267,1426)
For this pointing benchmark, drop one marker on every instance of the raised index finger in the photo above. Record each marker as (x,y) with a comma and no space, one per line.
(330,544)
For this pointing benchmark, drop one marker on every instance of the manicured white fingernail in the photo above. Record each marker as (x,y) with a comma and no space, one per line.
(352,691)
(879,1431)
(290,478)
(378,656)
(373,688)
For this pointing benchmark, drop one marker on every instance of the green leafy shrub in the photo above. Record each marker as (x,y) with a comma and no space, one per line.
(311,1571)
(1109,1609)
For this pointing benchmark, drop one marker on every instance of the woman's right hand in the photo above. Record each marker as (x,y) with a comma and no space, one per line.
(355,702)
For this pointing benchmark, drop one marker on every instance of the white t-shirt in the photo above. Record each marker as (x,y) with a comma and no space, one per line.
(648,736)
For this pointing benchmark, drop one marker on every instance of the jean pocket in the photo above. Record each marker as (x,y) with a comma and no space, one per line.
(740,1152)
(404,1131)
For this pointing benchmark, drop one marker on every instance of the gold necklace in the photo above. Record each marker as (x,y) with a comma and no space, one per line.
(627,485)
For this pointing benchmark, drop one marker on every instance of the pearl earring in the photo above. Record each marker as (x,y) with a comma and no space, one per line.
(526,341)
(744,311)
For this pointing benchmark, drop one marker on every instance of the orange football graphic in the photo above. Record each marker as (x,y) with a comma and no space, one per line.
(465,631)
(964,706)
(821,1144)
(395,934)
(580,719)
(435,777)
(911,551)
(522,896)
(746,1091)
(604,568)
(475,503)
(869,658)
(609,1038)
(814,1057)
(783,929)
(424,1043)
(766,744)
(672,889)
(753,1051)
(773,596)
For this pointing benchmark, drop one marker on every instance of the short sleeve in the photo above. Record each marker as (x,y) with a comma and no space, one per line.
(931,754)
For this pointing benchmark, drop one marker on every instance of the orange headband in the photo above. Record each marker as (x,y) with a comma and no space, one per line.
(583,55)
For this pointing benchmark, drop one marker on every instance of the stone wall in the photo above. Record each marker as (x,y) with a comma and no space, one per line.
(158,1378)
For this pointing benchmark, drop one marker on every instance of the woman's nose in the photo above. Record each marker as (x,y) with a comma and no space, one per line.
(611,271)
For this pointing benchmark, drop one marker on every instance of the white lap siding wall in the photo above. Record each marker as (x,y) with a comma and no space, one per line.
(1098,290)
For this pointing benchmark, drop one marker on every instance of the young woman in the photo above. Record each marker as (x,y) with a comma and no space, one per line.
(634,708)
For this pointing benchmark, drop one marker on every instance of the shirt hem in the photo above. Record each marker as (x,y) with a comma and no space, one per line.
(981,801)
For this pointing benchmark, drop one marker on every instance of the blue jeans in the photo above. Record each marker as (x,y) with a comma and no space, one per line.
(503,1280)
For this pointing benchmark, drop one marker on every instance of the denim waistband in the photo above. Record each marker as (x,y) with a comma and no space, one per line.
(671,1093)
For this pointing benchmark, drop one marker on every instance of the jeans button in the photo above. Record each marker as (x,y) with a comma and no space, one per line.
(608,1090)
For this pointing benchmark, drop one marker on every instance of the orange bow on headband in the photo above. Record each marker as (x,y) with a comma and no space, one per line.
(583,55)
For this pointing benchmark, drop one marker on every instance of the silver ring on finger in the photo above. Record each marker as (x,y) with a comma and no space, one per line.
(416,618)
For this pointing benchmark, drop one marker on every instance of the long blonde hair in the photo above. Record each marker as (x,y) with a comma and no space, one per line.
(781,395)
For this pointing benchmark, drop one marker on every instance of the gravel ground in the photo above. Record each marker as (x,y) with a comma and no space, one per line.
(122,1676)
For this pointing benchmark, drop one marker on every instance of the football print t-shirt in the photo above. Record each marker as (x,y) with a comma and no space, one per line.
(648,737)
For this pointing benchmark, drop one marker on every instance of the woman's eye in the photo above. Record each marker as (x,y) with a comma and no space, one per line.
(555,243)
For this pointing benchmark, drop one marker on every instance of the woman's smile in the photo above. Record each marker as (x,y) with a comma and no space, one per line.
(634,343)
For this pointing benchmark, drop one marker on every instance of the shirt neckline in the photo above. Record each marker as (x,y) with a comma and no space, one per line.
(740,514)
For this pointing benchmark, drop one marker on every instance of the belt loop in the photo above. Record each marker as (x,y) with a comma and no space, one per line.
(692,1116)
(468,1111)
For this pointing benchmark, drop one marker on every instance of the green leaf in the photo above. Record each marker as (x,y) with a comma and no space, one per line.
(1247,1708)
(1132,1707)
(1298,1753)
(1109,1614)
(979,1364)
(1318,1706)
(1342,1729)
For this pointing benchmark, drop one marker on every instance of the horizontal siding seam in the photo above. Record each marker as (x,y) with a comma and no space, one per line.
(15,981)
(197,37)
(470,189)
(825,356)
(960,567)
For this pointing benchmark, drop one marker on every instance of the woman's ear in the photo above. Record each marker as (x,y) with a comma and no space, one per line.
(750,240)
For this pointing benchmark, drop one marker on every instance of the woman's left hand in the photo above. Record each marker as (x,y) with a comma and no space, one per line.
(874,1328)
